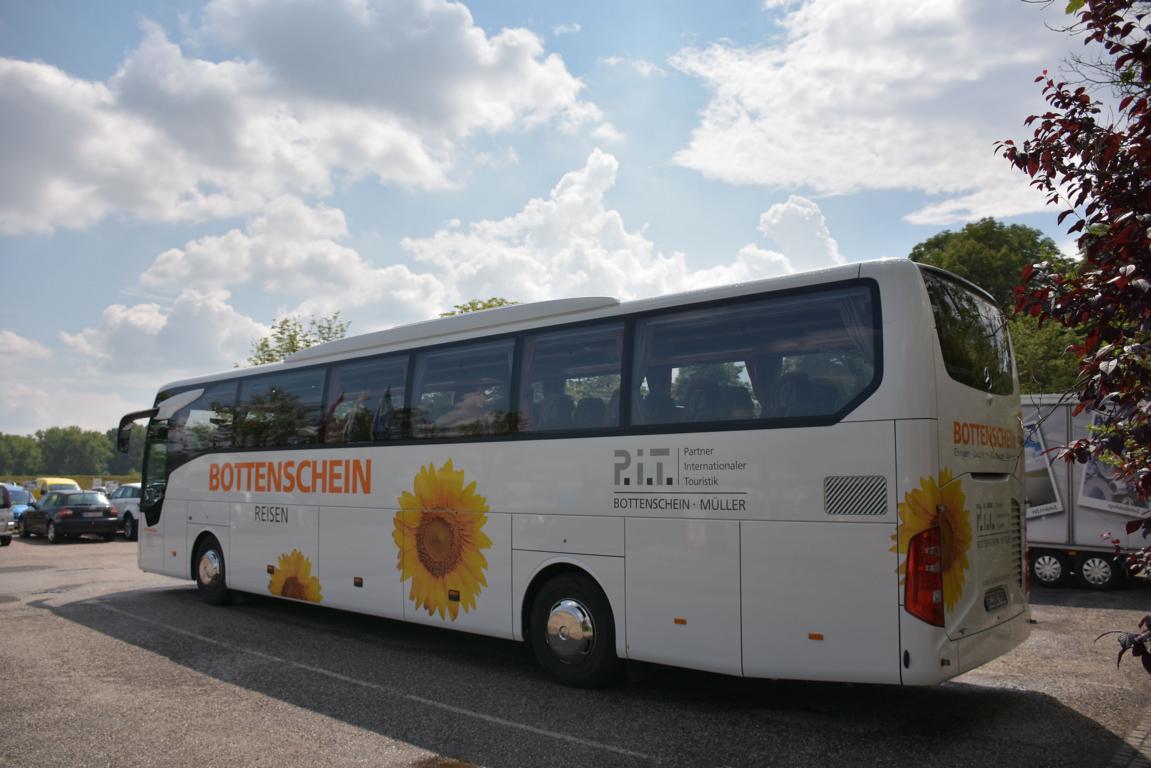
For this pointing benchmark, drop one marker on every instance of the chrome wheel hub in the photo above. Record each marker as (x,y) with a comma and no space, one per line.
(570,631)
(209,568)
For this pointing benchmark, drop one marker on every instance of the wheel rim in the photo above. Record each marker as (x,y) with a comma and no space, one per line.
(1048,569)
(570,630)
(1096,571)
(127,527)
(51,533)
(209,568)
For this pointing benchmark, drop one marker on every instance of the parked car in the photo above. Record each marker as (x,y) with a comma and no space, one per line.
(126,500)
(19,499)
(45,485)
(7,525)
(65,514)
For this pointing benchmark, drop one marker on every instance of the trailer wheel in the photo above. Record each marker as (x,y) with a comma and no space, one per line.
(1099,571)
(1049,569)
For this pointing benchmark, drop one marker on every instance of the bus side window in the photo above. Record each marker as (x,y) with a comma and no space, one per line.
(280,409)
(365,401)
(463,391)
(569,378)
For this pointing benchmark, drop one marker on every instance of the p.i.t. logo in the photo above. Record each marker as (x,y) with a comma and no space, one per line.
(636,468)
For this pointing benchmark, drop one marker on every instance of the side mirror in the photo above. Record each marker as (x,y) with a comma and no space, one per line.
(124,432)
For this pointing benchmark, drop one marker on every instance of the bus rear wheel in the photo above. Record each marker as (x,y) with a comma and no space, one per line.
(210,574)
(572,632)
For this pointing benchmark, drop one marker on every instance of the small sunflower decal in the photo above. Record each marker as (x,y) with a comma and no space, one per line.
(941,504)
(439,535)
(293,578)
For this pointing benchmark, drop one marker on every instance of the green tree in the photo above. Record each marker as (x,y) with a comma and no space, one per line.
(990,254)
(291,334)
(993,256)
(19,455)
(478,305)
(71,450)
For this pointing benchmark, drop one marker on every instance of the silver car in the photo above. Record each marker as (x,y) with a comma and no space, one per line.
(126,500)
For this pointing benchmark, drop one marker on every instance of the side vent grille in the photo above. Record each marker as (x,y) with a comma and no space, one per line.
(1017,564)
(855,495)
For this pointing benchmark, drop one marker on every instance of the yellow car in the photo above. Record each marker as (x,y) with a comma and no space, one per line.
(44,485)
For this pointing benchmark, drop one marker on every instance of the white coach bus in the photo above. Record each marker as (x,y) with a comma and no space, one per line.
(813,477)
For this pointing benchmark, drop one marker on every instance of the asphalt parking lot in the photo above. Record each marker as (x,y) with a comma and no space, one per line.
(102,665)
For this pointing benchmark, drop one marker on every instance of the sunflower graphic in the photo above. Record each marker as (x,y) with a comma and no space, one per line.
(439,535)
(941,504)
(293,578)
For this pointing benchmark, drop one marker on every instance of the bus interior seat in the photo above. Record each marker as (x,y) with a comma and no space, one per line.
(737,401)
(556,412)
(661,409)
(820,397)
(589,412)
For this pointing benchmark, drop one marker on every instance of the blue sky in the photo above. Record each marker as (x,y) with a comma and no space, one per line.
(179,174)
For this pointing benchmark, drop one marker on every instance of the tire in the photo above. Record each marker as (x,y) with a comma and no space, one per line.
(24,532)
(130,532)
(1049,569)
(52,535)
(572,632)
(211,580)
(5,541)
(1099,571)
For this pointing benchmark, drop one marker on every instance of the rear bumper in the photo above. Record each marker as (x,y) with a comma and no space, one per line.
(980,648)
(76,527)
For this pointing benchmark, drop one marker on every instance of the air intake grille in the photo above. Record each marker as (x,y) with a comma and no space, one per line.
(1017,544)
(855,495)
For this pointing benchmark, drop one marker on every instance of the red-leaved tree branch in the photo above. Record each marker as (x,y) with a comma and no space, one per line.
(1092,162)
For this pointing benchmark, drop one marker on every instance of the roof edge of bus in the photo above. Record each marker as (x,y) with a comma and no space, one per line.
(445,326)
(516,315)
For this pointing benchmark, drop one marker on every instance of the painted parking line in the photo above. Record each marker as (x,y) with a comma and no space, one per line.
(387,690)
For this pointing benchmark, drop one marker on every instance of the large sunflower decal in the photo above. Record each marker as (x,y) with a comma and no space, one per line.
(293,578)
(941,504)
(439,534)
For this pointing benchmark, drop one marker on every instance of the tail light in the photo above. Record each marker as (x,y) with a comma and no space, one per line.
(65,512)
(923,590)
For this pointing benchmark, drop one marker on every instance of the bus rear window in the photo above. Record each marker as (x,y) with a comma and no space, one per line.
(972,335)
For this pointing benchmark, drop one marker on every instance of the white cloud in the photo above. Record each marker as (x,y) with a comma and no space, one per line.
(572,244)
(18,350)
(904,94)
(392,90)
(290,249)
(642,67)
(566,29)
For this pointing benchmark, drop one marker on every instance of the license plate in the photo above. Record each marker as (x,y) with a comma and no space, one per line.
(93,514)
(994,599)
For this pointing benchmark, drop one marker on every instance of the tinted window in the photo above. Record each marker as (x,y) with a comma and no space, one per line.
(365,401)
(806,355)
(463,391)
(571,379)
(280,409)
(204,425)
(972,335)
(88,498)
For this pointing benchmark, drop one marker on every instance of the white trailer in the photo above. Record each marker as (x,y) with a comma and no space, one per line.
(1074,511)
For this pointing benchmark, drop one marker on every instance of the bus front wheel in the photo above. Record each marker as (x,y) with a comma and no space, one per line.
(210,581)
(572,632)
